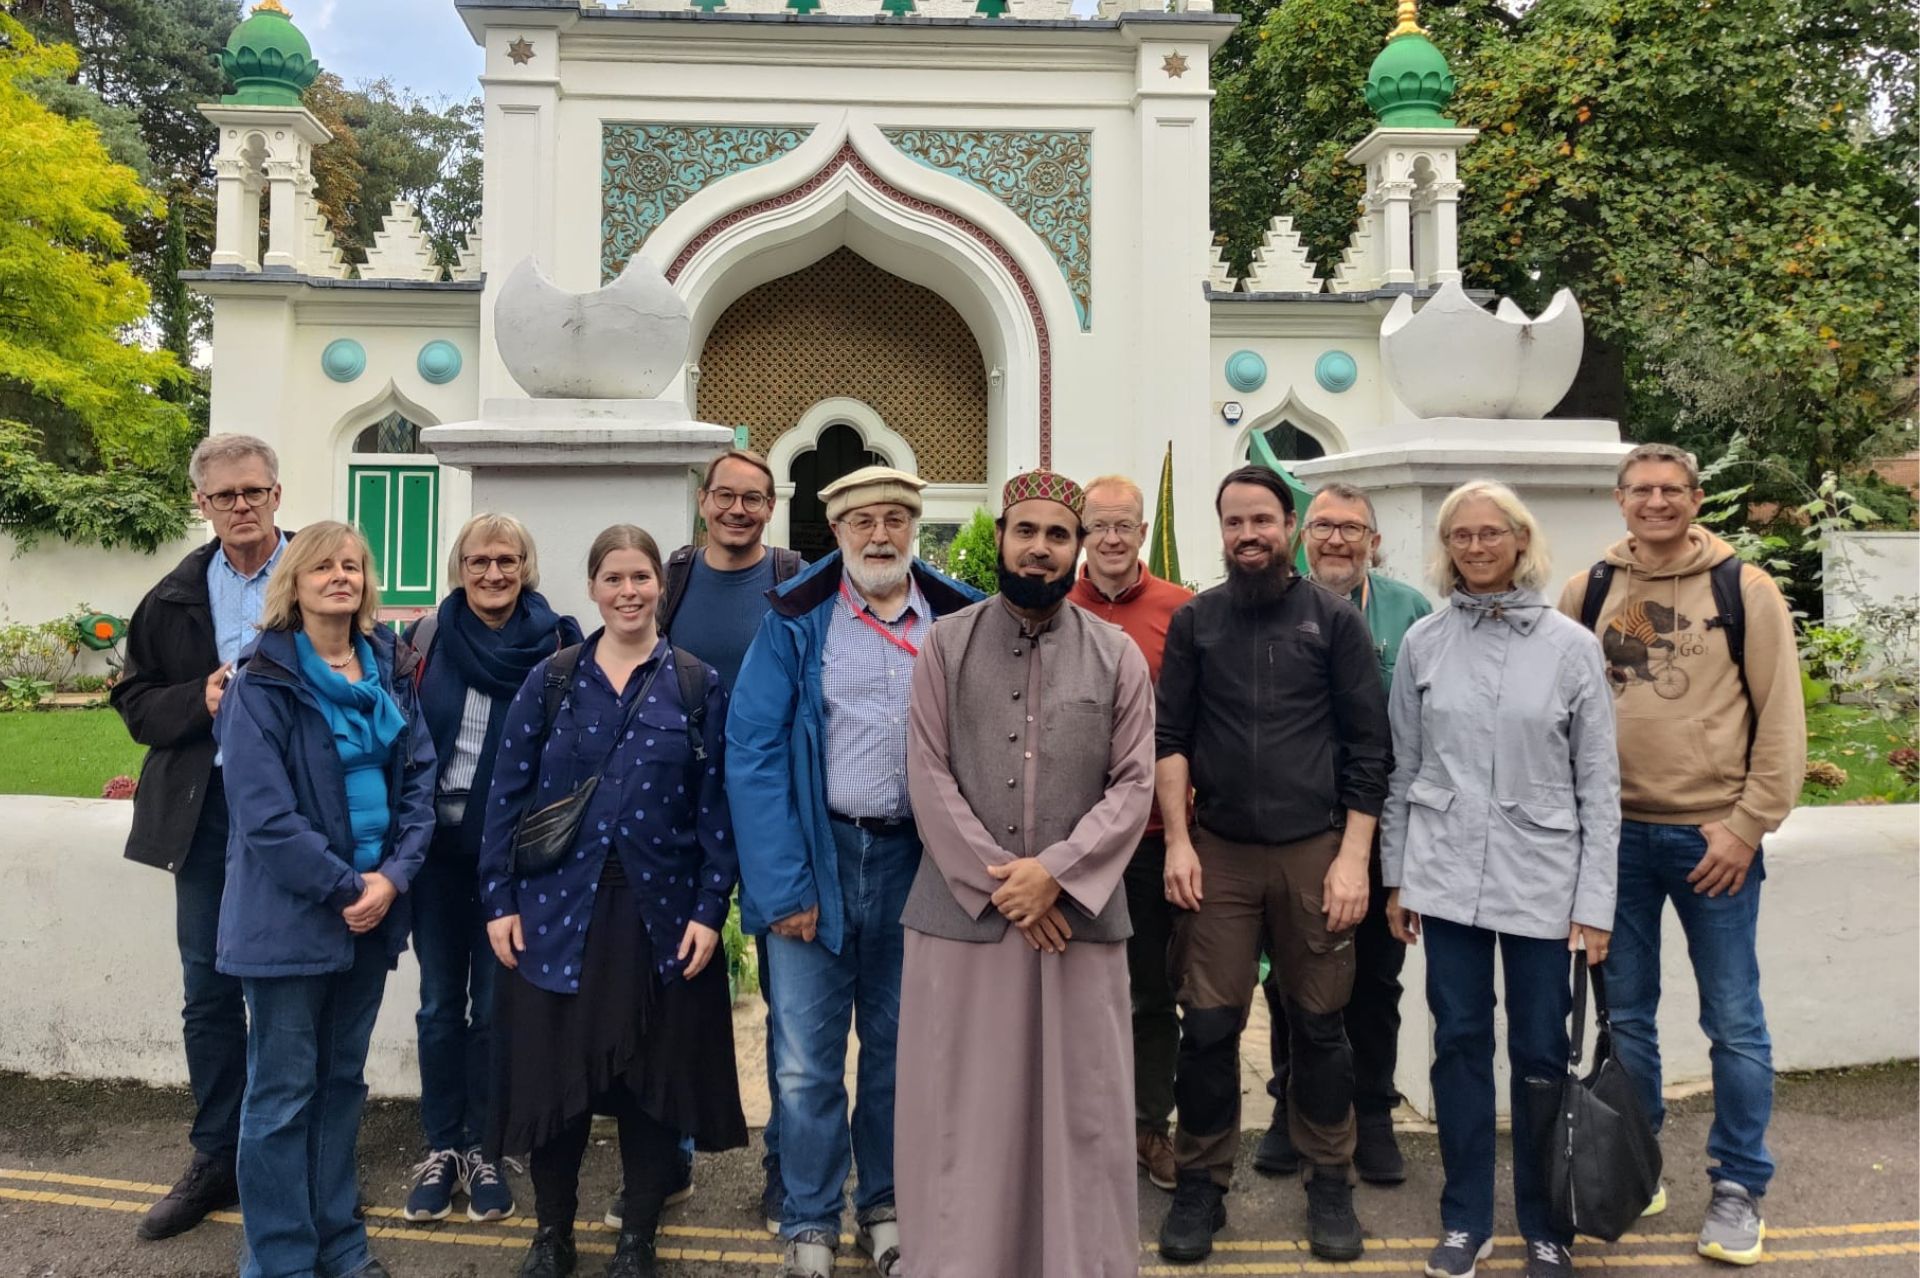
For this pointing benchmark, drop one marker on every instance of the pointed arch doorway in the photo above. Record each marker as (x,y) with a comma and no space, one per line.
(837,451)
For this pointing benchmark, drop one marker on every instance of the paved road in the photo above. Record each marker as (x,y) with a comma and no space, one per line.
(79,1162)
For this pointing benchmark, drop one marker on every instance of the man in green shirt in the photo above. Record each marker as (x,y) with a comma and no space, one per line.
(1343,547)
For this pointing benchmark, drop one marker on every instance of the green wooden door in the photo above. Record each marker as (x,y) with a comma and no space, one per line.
(398,508)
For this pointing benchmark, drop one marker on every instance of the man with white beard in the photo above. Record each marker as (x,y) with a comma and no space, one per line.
(817,772)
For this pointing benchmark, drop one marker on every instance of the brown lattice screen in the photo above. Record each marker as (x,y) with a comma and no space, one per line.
(844,327)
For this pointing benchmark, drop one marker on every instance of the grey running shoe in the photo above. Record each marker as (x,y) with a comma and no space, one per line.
(1733,1231)
(1458,1255)
(1548,1260)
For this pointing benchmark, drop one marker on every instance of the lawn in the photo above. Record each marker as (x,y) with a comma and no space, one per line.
(1854,740)
(64,752)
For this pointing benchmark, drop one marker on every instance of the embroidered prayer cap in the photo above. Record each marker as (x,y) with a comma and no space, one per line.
(1043,485)
(871,486)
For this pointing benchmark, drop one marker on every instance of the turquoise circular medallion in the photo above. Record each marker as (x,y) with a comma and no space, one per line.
(1246,371)
(439,362)
(1336,371)
(344,359)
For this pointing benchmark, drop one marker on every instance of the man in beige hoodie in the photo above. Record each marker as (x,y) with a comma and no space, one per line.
(1712,753)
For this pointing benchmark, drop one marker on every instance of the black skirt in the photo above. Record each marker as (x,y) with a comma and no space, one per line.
(668,1043)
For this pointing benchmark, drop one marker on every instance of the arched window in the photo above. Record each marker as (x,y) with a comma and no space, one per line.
(1290,443)
(837,451)
(391,434)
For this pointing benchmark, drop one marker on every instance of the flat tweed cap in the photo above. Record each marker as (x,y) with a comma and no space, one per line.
(1043,485)
(870,486)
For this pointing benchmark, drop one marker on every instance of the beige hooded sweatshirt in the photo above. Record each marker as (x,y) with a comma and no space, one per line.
(1685,718)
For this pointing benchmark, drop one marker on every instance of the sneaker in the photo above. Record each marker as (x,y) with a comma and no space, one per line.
(206,1186)
(1548,1260)
(773,1198)
(682,1187)
(1733,1231)
(488,1196)
(1199,1211)
(632,1257)
(1376,1154)
(809,1254)
(879,1238)
(551,1255)
(1276,1155)
(1458,1255)
(1333,1231)
(435,1179)
(372,1269)
(1659,1203)
(1156,1155)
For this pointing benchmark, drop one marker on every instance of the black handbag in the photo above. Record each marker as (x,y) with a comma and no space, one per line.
(1597,1151)
(544,837)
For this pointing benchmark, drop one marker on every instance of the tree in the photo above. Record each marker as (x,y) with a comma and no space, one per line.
(67,294)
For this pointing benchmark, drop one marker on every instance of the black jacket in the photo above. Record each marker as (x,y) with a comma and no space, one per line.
(1280,713)
(162,696)
(786,564)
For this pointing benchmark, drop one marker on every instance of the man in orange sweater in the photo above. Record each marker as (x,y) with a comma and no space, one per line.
(1713,747)
(1115,586)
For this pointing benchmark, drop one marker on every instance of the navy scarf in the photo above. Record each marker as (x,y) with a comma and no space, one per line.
(467,653)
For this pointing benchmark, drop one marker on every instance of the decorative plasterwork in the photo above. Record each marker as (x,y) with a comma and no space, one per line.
(848,158)
(401,249)
(649,170)
(1281,264)
(1044,175)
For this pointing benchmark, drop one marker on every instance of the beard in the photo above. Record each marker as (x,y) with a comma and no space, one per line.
(1033,594)
(876,579)
(1256,588)
(1340,576)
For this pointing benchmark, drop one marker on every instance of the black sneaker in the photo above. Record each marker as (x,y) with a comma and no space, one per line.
(632,1257)
(1199,1211)
(206,1186)
(773,1198)
(1458,1255)
(1548,1260)
(1276,1155)
(1376,1154)
(1333,1231)
(551,1255)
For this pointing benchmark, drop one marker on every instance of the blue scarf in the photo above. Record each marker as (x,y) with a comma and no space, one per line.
(363,715)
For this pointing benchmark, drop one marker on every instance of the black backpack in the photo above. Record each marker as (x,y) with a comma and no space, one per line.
(1724,577)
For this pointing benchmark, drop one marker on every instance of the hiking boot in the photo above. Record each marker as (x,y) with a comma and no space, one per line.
(1458,1255)
(773,1198)
(206,1186)
(879,1237)
(809,1254)
(632,1257)
(1199,1211)
(1548,1260)
(1156,1155)
(1733,1231)
(1333,1231)
(435,1179)
(1659,1203)
(551,1255)
(1276,1155)
(1376,1154)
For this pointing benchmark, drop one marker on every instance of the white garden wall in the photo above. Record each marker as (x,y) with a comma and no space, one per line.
(54,578)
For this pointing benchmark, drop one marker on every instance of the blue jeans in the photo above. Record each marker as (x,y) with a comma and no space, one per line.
(817,994)
(1654,863)
(213,1012)
(1539,985)
(300,1123)
(457,968)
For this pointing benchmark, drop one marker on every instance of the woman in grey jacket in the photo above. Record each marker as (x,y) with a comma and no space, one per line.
(1501,830)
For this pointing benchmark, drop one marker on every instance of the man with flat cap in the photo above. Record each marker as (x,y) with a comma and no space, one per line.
(1030,762)
(817,766)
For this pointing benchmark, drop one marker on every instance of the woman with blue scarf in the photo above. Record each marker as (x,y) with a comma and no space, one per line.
(329,777)
(475,652)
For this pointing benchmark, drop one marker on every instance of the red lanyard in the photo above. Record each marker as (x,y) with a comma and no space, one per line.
(899,641)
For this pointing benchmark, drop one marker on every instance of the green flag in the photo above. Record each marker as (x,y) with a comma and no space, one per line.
(1163,561)
(1260,453)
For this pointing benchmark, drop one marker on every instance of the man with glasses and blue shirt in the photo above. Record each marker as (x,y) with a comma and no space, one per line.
(182,644)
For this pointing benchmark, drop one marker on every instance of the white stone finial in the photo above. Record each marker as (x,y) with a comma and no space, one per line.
(1281,264)
(625,341)
(468,267)
(319,252)
(1453,359)
(1218,278)
(401,250)
(1358,270)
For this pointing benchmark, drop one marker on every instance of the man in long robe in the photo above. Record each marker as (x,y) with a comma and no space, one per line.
(1014,1154)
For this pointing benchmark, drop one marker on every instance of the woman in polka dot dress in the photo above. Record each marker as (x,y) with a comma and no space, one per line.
(616,998)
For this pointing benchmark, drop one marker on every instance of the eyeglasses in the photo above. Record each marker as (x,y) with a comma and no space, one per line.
(1125,529)
(1461,538)
(752,503)
(1321,530)
(1645,492)
(863,525)
(255,498)
(480,565)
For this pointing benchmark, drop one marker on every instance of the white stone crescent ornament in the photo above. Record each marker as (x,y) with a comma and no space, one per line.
(627,340)
(1452,358)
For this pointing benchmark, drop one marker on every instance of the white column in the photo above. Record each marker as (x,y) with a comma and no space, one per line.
(1425,239)
(1396,197)
(283,216)
(236,227)
(1446,231)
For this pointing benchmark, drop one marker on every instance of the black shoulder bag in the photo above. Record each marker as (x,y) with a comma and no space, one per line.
(1597,1151)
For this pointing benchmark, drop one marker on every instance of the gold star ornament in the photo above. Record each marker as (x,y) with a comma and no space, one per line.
(520,51)
(1175,64)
